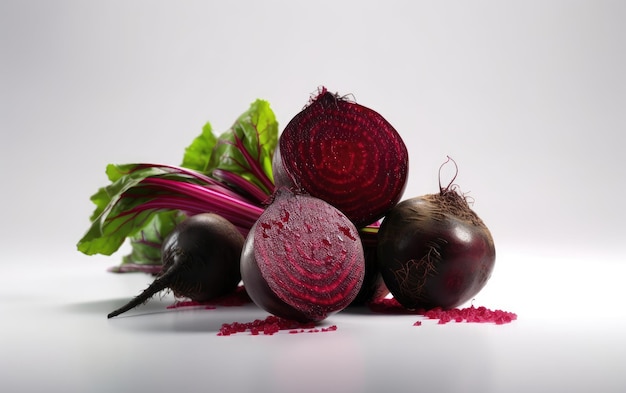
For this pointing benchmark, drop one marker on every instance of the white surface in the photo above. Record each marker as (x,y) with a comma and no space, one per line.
(569,338)
(526,96)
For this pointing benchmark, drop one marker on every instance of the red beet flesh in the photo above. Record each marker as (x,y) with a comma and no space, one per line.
(346,154)
(434,251)
(303,259)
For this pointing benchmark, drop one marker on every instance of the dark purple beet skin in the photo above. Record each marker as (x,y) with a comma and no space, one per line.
(281,178)
(434,251)
(373,287)
(303,259)
(344,153)
(205,250)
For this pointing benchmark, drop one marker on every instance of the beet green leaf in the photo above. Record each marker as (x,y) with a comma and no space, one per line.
(230,176)
(246,149)
(150,188)
(145,252)
(198,153)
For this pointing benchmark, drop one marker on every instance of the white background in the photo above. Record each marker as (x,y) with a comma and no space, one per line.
(527,96)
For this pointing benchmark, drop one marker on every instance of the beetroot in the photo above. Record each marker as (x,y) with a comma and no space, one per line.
(200,261)
(434,251)
(346,154)
(373,287)
(303,259)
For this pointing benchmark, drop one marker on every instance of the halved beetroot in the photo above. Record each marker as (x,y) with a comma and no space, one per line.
(303,259)
(346,154)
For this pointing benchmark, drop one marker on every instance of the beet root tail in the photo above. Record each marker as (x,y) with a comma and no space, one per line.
(157,285)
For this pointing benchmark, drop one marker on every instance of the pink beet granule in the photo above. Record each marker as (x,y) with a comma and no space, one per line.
(468,314)
(271,325)
(238,298)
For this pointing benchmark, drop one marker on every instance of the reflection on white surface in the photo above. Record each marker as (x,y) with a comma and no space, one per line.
(313,364)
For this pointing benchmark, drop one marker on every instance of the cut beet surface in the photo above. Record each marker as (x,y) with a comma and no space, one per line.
(345,154)
(303,259)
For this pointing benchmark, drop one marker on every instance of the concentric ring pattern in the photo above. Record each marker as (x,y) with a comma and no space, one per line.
(314,265)
(347,155)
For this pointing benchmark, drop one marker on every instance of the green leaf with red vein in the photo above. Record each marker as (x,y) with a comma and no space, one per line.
(145,254)
(150,188)
(230,175)
(246,149)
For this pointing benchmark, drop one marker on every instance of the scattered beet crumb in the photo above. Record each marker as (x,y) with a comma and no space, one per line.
(235,299)
(271,325)
(188,303)
(471,314)
(468,314)
(390,306)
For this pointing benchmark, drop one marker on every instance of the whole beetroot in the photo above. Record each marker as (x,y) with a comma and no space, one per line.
(200,261)
(434,251)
